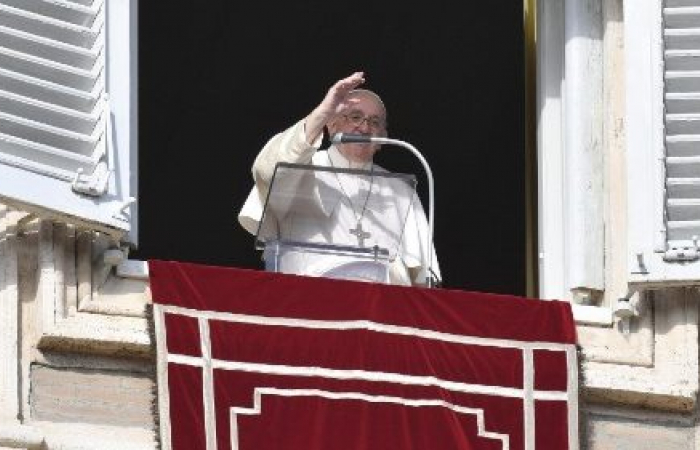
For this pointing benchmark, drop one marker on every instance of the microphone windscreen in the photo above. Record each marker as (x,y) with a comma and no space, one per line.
(344,138)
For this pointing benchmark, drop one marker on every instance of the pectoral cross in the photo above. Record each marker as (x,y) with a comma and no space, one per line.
(360,234)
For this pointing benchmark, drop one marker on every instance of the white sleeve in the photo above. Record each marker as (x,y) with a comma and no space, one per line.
(288,146)
(414,244)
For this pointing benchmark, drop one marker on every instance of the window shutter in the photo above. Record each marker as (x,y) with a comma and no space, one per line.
(663,134)
(61,152)
(682,100)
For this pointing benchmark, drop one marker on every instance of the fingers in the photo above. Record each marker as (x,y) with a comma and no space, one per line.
(342,87)
(349,83)
(338,93)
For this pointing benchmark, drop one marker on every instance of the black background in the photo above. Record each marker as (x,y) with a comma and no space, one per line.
(218,78)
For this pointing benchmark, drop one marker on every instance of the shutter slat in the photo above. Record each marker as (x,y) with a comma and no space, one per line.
(48,70)
(682,17)
(11,159)
(49,135)
(684,210)
(48,48)
(70,12)
(48,92)
(683,124)
(683,59)
(682,166)
(36,153)
(84,2)
(683,102)
(685,188)
(682,3)
(683,230)
(47,113)
(682,38)
(47,27)
(683,81)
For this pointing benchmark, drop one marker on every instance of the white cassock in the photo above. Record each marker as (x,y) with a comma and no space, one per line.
(343,201)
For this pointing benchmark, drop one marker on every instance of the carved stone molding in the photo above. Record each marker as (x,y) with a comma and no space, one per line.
(668,379)
(75,314)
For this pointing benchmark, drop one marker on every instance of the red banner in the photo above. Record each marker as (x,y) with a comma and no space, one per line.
(251,360)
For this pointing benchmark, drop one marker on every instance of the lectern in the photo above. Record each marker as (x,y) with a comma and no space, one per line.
(334,222)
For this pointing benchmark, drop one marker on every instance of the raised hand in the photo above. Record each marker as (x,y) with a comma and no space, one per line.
(333,104)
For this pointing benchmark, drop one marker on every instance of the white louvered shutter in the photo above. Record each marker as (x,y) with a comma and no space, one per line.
(682,100)
(663,132)
(61,152)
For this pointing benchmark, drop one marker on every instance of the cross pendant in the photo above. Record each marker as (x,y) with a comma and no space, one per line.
(360,234)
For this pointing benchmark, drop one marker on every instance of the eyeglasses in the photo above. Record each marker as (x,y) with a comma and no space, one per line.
(357,118)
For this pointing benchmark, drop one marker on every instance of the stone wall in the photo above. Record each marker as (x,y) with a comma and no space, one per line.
(92,395)
(77,368)
(624,428)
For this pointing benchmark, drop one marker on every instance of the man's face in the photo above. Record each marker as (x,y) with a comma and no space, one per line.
(364,115)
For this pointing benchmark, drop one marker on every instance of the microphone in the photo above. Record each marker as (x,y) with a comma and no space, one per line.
(347,138)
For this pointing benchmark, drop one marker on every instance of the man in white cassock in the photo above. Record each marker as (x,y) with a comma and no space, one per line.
(348,204)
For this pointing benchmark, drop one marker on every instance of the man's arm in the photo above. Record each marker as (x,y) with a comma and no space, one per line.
(289,146)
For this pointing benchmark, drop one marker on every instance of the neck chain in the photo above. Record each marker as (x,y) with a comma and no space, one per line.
(359,233)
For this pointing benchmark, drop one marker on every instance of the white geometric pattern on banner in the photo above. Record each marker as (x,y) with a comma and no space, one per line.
(259,392)
(529,394)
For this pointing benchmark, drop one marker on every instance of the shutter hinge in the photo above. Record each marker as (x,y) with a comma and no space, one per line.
(94,185)
(680,251)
